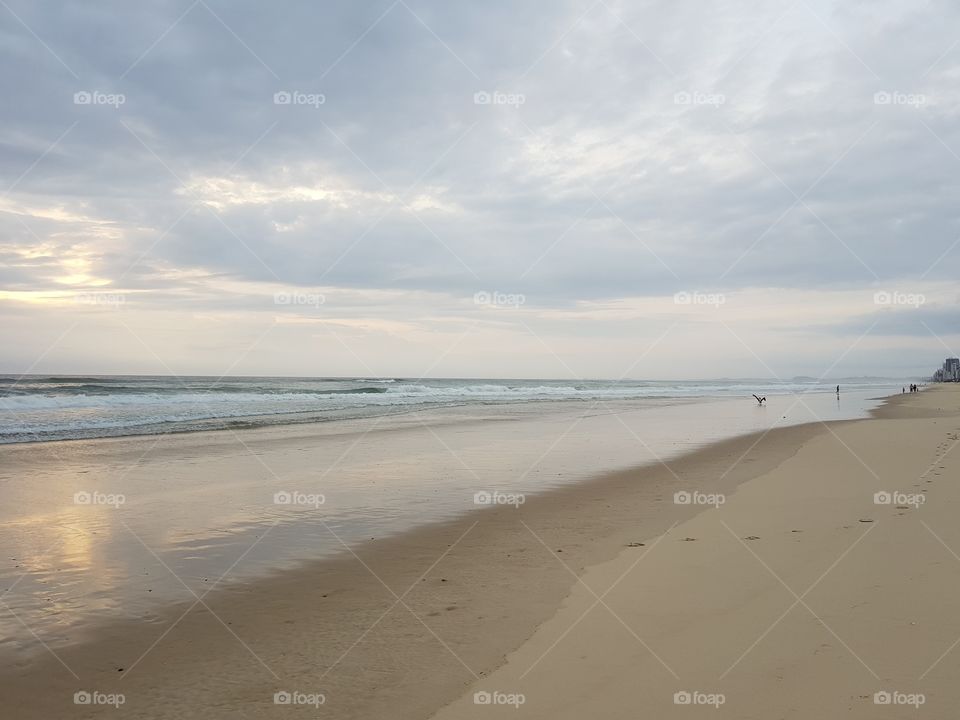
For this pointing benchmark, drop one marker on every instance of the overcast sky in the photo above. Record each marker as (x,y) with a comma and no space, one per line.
(508,188)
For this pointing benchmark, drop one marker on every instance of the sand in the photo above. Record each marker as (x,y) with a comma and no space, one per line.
(801,596)
(692,599)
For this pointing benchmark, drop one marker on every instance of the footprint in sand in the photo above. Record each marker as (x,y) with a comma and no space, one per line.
(689,539)
(752,537)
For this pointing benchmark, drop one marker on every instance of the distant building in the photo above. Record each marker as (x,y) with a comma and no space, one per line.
(951,366)
(950,372)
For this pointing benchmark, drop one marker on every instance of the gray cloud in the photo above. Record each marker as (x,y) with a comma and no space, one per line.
(658,147)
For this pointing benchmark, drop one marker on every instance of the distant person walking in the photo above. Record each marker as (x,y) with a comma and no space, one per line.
(838,389)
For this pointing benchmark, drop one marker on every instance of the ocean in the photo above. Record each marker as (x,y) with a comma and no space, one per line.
(60,407)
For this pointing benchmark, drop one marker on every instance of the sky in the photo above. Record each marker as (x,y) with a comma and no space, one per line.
(419,188)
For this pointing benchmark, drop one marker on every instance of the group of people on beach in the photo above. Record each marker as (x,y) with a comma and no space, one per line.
(913,388)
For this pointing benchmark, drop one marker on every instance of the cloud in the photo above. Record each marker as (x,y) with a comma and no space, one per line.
(939,321)
(584,156)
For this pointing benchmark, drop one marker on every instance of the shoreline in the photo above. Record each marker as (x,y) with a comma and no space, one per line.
(460,618)
(280,420)
(187,506)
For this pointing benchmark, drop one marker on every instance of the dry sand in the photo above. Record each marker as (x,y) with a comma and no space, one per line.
(506,600)
(801,597)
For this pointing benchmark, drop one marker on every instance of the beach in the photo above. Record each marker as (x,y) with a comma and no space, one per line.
(822,588)
(777,584)
(450,361)
(103,529)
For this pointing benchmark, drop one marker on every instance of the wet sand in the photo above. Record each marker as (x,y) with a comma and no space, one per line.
(401,626)
(167,515)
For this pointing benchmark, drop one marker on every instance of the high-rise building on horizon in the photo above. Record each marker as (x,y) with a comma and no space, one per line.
(950,372)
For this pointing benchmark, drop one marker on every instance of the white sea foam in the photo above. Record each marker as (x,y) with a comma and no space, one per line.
(39,408)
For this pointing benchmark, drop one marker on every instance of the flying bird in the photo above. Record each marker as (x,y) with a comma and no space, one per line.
(760,400)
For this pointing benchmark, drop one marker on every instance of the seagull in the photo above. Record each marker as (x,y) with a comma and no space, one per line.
(760,400)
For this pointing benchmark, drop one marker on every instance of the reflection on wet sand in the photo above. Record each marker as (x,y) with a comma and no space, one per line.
(161,519)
